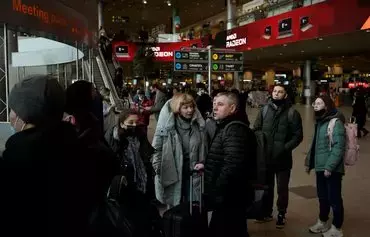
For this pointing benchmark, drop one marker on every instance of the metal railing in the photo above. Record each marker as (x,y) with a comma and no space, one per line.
(108,81)
(88,71)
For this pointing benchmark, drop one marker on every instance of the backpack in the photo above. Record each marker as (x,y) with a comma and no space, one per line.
(257,165)
(352,151)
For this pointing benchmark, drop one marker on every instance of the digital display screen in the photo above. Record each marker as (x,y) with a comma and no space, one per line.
(285,26)
(305,21)
(268,30)
(122,49)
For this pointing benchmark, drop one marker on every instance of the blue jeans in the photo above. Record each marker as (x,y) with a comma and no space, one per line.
(329,192)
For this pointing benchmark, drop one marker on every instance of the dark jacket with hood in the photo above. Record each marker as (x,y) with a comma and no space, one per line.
(50,183)
(226,167)
(283,134)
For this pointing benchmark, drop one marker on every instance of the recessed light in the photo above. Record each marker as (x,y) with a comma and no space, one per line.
(145,2)
(329,47)
(302,51)
(285,45)
(321,39)
(281,53)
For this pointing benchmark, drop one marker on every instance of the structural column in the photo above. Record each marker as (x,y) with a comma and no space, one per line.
(307,82)
(231,9)
(100,14)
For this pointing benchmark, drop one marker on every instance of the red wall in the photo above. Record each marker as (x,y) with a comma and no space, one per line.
(327,18)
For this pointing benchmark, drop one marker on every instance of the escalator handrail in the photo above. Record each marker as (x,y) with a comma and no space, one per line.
(107,79)
(87,69)
(115,62)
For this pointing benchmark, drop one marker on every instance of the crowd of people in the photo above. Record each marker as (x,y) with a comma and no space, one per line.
(72,149)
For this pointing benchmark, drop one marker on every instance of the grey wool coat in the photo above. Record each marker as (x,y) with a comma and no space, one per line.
(168,157)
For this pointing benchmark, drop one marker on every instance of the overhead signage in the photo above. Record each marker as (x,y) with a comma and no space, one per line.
(227,67)
(202,56)
(233,40)
(161,54)
(197,60)
(191,67)
(49,16)
(227,56)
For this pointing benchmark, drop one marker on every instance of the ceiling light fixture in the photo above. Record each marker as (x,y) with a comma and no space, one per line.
(169,3)
(145,2)
(321,39)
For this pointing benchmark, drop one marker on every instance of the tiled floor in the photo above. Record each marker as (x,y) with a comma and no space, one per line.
(303,208)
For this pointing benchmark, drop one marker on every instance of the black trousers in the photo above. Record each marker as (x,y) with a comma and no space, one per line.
(282,179)
(329,192)
(228,221)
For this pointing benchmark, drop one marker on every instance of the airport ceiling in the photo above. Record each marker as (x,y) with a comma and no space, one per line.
(351,51)
(88,8)
(157,12)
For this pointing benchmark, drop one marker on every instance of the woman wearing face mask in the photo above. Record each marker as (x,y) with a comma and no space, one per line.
(327,159)
(133,150)
(179,145)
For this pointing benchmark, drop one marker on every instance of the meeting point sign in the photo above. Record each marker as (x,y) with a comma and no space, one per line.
(49,16)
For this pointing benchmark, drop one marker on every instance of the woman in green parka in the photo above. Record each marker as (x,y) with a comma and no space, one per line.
(327,158)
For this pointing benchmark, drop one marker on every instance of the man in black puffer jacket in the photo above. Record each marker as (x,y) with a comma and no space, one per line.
(282,126)
(231,152)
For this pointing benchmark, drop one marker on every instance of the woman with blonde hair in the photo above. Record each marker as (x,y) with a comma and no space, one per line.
(179,145)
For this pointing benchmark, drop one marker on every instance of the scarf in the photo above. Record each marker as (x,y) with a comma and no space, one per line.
(132,154)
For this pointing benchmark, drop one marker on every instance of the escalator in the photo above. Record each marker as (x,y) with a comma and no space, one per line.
(103,76)
(98,78)
(112,69)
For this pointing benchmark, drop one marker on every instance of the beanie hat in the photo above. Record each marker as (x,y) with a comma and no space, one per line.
(329,103)
(38,99)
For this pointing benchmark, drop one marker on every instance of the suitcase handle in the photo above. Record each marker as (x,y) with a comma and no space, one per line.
(191,191)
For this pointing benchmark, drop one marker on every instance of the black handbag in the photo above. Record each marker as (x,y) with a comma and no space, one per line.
(109,219)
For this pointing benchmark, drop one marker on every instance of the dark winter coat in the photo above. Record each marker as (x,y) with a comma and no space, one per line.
(226,166)
(283,134)
(50,182)
(322,155)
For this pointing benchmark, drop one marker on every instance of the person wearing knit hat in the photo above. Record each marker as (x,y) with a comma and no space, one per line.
(36,101)
(45,167)
(328,161)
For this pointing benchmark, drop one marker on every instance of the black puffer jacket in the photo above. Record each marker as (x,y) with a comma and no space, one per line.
(283,134)
(227,172)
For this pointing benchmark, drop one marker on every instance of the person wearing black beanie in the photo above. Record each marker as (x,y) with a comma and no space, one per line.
(45,172)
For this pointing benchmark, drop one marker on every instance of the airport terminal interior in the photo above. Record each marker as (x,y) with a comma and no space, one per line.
(127,47)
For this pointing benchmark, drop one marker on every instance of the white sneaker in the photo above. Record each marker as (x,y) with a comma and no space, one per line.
(333,232)
(319,227)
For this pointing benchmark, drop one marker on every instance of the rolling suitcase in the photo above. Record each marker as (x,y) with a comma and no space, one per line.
(187,219)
